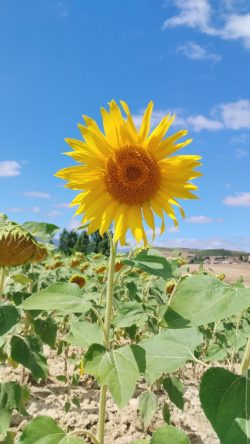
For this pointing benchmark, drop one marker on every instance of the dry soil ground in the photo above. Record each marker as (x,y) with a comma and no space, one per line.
(121,426)
(232,271)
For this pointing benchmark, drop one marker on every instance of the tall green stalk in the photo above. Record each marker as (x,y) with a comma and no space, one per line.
(106,337)
(245,364)
(2,279)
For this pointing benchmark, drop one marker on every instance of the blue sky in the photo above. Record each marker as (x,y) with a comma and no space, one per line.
(62,59)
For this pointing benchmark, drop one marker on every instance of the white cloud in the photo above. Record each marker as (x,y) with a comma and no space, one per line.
(236,243)
(53,214)
(240,200)
(73,224)
(173,229)
(62,205)
(35,210)
(240,153)
(203,220)
(237,27)
(241,139)
(232,116)
(198,14)
(14,210)
(236,115)
(194,51)
(62,9)
(37,194)
(193,13)
(9,168)
(199,123)
(158,115)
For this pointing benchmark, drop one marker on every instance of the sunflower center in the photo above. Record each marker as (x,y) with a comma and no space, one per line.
(132,175)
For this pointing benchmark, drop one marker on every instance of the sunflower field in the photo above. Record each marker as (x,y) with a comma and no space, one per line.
(80,367)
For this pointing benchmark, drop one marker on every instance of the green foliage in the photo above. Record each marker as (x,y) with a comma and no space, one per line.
(83,334)
(201,299)
(12,397)
(63,297)
(44,430)
(169,434)
(147,406)
(46,329)
(41,230)
(28,352)
(175,390)
(67,242)
(99,244)
(149,339)
(225,400)
(119,369)
(166,413)
(83,243)
(129,313)
(169,350)
(154,263)
(70,242)
(9,316)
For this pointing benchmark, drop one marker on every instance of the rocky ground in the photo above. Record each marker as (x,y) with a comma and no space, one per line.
(48,398)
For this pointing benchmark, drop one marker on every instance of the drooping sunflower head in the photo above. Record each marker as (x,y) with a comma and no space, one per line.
(128,175)
(18,246)
(78,279)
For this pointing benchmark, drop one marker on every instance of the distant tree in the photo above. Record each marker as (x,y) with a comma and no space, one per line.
(99,244)
(67,241)
(83,243)
(104,245)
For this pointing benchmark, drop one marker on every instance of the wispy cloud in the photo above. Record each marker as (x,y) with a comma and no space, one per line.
(62,205)
(240,153)
(193,13)
(37,194)
(233,243)
(193,51)
(235,115)
(35,209)
(73,224)
(54,213)
(241,139)
(231,116)
(14,210)
(203,220)
(9,168)
(239,200)
(62,10)
(199,15)
(199,123)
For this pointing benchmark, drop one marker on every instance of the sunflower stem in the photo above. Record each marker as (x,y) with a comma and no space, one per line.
(2,281)
(245,363)
(106,336)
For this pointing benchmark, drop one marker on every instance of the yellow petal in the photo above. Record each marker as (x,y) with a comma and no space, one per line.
(120,218)
(108,216)
(95,141)
(130,120)
(159,132)
(145,126)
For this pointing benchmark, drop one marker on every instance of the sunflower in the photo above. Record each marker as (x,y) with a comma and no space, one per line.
(127,175)
(78,279)
(18,246)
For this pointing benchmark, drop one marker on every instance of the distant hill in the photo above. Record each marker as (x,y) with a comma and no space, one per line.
(200,255)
